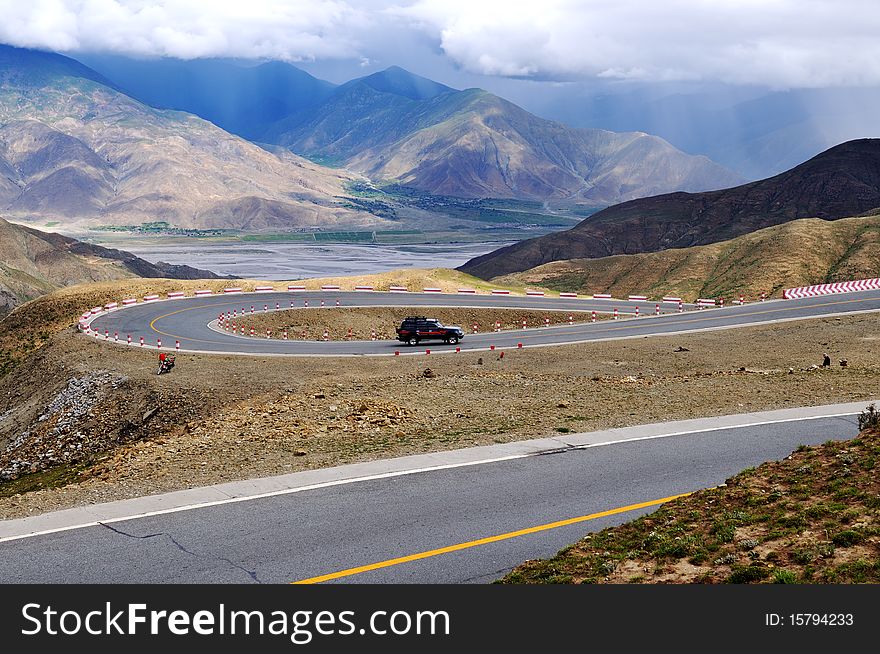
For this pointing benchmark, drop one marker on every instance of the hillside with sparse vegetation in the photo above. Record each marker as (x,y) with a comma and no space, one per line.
(799,253)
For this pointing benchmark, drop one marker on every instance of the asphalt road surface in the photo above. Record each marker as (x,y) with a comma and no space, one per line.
(418,526)
(188,320)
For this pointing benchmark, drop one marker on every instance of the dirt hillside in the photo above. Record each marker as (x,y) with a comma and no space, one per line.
(798,253)
(841,182)
(33,263)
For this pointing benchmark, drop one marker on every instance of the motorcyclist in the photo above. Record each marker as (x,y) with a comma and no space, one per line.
(166,362)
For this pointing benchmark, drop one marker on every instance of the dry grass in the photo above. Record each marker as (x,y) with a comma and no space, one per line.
(798,253)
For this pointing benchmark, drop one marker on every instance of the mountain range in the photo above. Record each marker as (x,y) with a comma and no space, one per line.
(472,143)
(841,182)
(75,150)
(394,126)
(240,99)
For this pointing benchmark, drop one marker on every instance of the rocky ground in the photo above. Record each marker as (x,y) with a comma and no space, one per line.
(58,436)
(112,428)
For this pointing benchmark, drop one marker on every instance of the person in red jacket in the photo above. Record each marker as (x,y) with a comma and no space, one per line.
(166,362)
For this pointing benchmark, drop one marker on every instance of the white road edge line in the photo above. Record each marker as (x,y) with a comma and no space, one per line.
(399,473)
(258,496)
(710,429)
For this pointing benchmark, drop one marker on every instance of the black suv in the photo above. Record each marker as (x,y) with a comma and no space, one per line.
(418,328)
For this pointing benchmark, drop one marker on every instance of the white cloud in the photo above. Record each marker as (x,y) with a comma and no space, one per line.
(777,42)
(783,43)
(277,29)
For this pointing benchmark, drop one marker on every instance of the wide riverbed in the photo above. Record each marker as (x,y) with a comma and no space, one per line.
(279,260)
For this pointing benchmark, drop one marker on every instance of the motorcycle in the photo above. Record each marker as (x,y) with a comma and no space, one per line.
(166,364)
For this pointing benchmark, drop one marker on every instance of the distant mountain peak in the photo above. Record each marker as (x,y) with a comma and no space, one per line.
(399,81)
(37,67)
(396,126)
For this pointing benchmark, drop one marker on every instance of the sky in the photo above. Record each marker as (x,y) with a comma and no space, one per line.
(778,44)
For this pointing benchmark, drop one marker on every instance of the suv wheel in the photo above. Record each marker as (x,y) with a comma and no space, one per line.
(412,340)
(452,340)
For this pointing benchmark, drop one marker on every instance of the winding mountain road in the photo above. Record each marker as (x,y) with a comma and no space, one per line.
(192,321)
(453,517)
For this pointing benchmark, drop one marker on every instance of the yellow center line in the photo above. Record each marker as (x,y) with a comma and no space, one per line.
(485,541)
(172,313)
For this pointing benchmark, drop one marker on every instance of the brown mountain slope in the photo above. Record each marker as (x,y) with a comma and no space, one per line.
(33,263)
(488,146)
(797,253)
(472,143)
(77,151)
(843,181)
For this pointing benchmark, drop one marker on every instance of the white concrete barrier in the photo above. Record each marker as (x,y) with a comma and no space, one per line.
(831,289)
